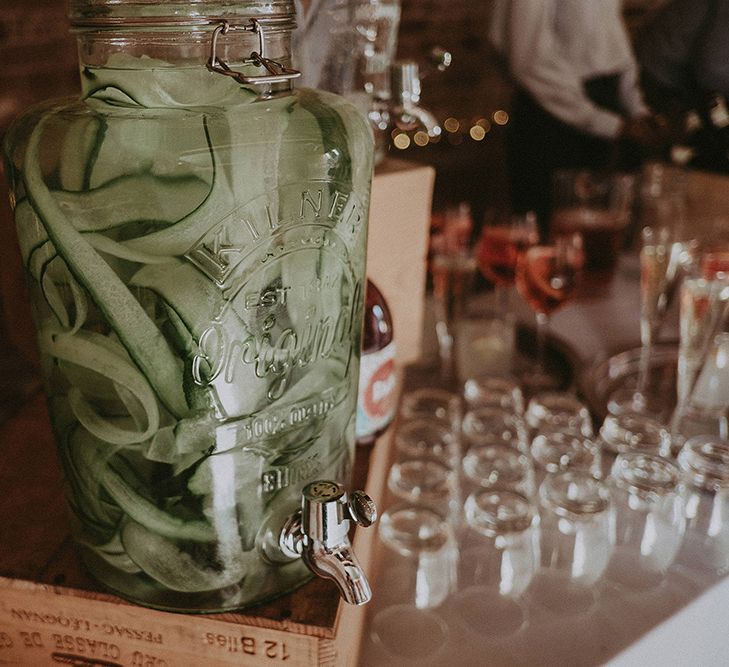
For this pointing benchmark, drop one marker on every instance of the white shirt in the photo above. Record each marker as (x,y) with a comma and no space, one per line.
(553,46)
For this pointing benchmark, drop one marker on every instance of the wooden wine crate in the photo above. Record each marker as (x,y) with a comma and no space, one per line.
(52,612)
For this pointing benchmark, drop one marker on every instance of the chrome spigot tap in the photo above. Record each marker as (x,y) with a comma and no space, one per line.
(318,533)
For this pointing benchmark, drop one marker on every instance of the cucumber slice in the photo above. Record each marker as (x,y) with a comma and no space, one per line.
(177,239)
(84,465)
(155,84)
(79,148)
(113,553)
(85,350)
(149,515)
(130,198)
(138,333)
(177,569)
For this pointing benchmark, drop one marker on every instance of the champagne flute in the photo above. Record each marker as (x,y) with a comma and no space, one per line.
(452,267)
(704,305)
(498,250)
(666,257)
(546,278)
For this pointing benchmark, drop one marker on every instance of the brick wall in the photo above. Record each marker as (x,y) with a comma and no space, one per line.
(37,53)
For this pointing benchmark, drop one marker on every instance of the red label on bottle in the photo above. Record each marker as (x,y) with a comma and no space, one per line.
(377,396)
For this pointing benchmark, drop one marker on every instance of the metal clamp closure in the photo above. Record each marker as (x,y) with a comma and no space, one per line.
(277,73)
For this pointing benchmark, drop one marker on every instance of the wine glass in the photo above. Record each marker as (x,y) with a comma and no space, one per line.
(598,205)
(664,261)
(715,263)
(498,250)
(546,278)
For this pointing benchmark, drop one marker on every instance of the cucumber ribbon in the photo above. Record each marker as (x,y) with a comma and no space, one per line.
(137,332)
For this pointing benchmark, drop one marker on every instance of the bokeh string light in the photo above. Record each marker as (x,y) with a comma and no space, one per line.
(456,131)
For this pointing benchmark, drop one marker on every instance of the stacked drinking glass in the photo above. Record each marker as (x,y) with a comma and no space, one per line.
(497,504)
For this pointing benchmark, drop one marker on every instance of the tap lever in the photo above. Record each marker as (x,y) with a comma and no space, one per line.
(362,509)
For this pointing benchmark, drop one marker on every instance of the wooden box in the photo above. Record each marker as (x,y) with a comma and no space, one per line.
(52,612)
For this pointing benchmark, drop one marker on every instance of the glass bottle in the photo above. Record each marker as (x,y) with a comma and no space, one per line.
(377,399)
(194,238)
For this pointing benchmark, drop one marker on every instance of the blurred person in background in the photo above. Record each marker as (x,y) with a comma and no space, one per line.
(683,52)
(578,104)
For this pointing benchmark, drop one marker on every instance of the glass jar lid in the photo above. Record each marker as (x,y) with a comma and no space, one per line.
(165,13)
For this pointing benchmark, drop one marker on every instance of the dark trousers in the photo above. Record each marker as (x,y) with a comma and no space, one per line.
(538,144)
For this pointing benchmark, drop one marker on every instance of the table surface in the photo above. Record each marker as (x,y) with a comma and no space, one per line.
(684,621)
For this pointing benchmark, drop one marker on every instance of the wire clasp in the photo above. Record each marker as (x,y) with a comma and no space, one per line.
(277,73)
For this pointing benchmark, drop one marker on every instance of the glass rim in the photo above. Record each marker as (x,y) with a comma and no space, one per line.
(90,14)
(548,401)
(560,450)
(645,475)
(436,483)
(450,403)
(559,501)
(505,460)
(651,436)
(421,437)
(705,461)
(493,414)
(493,512)
(504,392)
(411,543)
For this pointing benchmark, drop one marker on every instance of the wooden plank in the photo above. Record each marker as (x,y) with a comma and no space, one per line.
(351,619)
(40,625)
